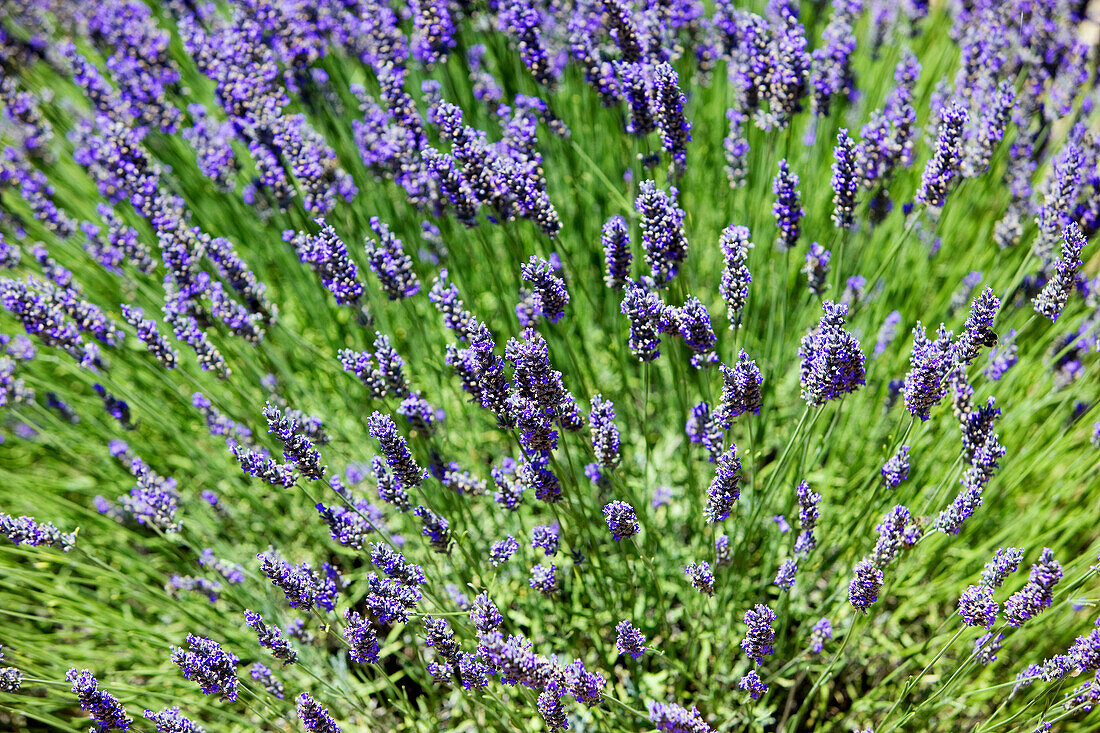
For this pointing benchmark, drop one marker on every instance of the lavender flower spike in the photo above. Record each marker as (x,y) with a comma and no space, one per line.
(944,167)
(101,706)
(671,718)
(1038,594)
(845,181)
(788,207)
(213,668)
(760,635)
(725,489)
(675,129)
(390,264)
(617,255)
(1056,292)
(550,296)
(734,287)
(663,237)
(605,434)
(315,718)
(396,450)
(832,362)
(621,520)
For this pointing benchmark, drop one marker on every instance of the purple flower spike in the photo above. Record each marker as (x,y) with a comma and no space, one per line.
(832,362)
(390,264)
(944,167)
(1055,294)
(663,237)
(101,706)
(549,294)
(734,286)
(630,640)
(621,520)
(788,207)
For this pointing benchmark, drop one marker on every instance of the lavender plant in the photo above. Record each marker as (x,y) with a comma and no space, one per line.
(377,339)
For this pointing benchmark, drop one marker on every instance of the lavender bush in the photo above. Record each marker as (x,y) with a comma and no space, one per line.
(601,366)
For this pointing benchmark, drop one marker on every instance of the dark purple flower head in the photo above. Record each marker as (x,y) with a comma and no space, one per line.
(725,488)
(693,321)
(943,168)
(101,706)
(895,532)
(865,586)
(298,449)
(808,514)
(701,577)
(617,255)
(736,148)
(663,238)
(435,528)
(549,294)
(206,663)
(394,565)
(1038,594)
(328,257)
(25,530)
(648,316)
(630,640)
(623,30)
(149,334)
(977,607)
(11,679)
(362,637)
(390,264)
(546,538)
(171,720)
(760,635)
(621,520)
(740,390)
(932,364)
(501,551)
(271,637)
(986,648)
(1005,562)
(845,181)
(296,582)
(734,286)
(267,679)
(586,687)
(832,362)
(784,577)
(636,84)
(396,450)
(264,467)
(484,615)
(433,33)
(1055,294)
(788,207)
(544,579)
(315,718)
(991,126)
(550,707)
(977,331)
(752,684)
(670,101)
(605,434)
(704,427)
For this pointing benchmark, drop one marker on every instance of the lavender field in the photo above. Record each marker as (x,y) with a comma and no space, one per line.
(530,365)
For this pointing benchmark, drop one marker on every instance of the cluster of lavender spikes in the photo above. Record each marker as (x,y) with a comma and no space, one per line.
(269,66)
